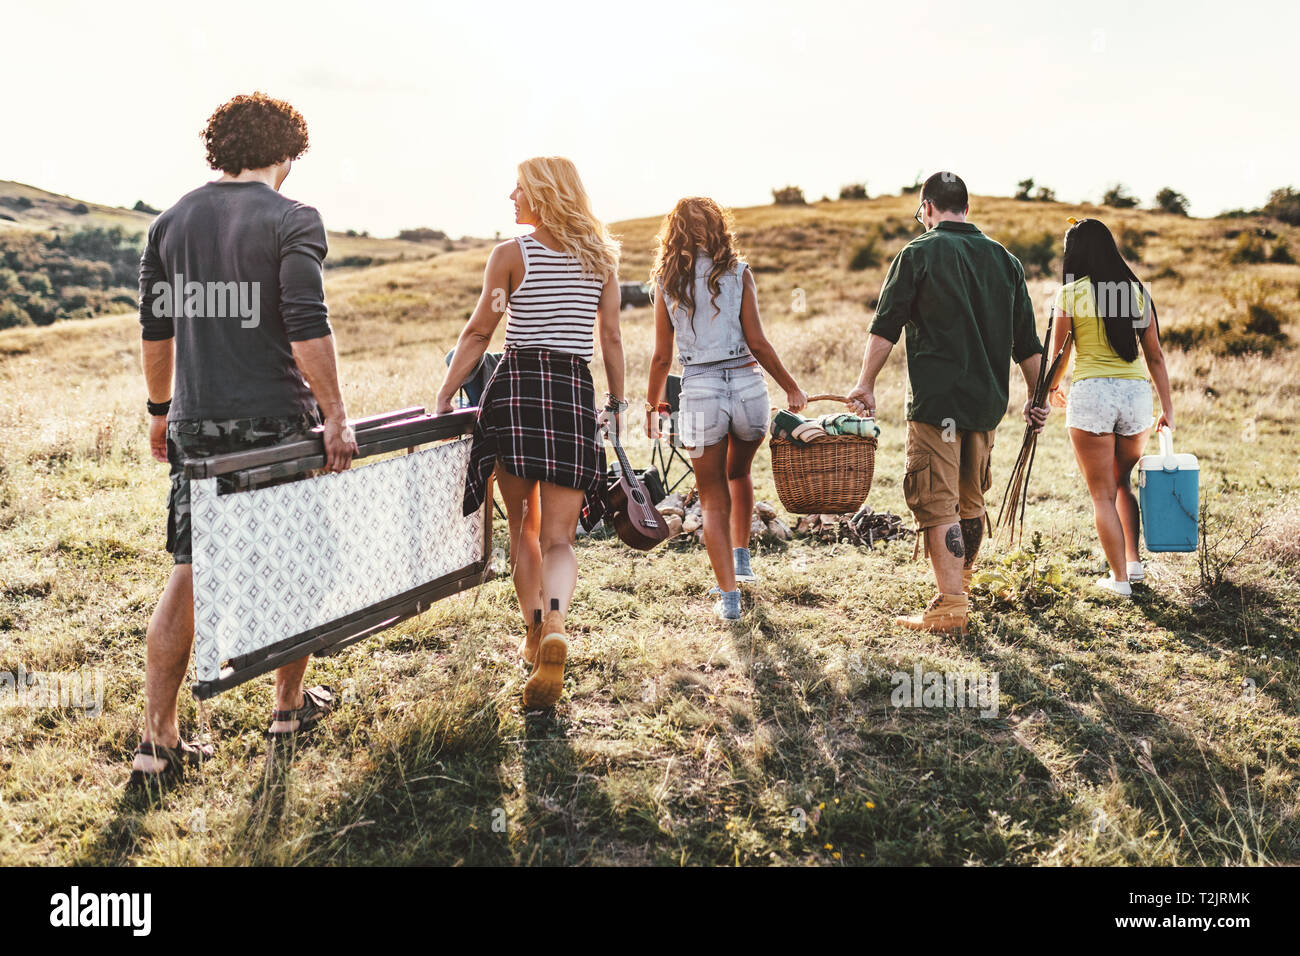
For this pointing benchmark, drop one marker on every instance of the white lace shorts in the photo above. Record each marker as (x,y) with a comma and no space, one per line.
(1110,405)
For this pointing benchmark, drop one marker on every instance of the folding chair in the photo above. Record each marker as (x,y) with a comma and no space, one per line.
(471,390)
(661,460)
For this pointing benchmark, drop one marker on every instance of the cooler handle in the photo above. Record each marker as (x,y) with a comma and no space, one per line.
(1169,462)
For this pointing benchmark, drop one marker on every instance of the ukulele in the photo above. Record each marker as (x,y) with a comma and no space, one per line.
(637,521)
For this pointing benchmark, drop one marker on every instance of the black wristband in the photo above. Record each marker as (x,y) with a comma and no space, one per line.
(158,409)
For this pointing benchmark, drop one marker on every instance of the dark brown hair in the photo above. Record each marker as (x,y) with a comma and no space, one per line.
(253,132)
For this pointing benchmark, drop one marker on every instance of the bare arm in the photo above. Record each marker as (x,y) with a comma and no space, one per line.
(158,358)
(315,359)
(503,265)
(660,364)
(752,325)
(1159,374)
(862,398)
(611,338)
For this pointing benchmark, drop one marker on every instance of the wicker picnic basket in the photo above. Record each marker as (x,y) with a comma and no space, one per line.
(829,475)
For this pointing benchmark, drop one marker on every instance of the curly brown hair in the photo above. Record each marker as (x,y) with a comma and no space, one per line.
(696,226)
(253,132)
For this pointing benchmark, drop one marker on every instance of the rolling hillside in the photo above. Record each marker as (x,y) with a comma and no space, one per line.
(1125,733)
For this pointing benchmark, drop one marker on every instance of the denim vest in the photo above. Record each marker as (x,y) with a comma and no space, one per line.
(712,336)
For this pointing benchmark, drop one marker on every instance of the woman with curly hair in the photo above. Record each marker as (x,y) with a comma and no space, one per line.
(538,425)
(705,296)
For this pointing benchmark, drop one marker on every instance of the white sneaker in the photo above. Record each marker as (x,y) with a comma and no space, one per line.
(1121,588)
(1136,574)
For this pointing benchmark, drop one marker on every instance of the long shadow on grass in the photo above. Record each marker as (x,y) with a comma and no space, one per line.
(873,784)
(429,793)
(1100,734)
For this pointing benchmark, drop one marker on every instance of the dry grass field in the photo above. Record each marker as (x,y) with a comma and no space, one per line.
(1159,731)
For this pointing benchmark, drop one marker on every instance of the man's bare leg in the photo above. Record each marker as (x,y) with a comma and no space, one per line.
(167,655)
(947,554)
(288,693)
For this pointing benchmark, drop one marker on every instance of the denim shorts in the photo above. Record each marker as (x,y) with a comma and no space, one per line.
(718,402)
(1105,406)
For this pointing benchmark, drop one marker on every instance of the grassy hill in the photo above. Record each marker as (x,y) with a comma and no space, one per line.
(1124,732)
(63,258)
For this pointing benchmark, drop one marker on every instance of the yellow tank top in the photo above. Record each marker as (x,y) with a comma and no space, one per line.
(1094,356)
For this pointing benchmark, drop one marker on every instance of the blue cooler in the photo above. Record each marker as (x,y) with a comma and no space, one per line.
(1169,496)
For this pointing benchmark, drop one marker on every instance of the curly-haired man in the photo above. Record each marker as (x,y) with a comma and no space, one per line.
(232,312)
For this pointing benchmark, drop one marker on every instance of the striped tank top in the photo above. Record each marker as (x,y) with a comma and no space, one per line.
(555,306)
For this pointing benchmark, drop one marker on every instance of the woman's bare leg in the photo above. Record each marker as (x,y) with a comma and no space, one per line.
(560,510)
(740,484)
(523,514)
(715,504)
(1128,449)
(1096,457)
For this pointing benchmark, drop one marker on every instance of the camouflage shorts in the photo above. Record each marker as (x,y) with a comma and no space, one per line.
(202,438)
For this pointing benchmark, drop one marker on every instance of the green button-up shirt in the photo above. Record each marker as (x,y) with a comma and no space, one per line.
(962,299)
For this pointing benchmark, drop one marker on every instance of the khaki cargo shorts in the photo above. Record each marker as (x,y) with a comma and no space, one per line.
(946,480)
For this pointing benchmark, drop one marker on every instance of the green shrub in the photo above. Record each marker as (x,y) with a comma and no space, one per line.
(1035,252)
(1118,197)
(1281,253)
(1171,201)
(423,234)
(1284,204)
(1249,249)
(788,196)
(12,314)
(866,256)
(1043,194)
(854,191)
(1259,330)
(1024,189)
(1131,241)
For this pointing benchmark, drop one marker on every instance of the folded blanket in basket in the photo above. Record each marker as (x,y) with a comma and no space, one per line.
(801,431)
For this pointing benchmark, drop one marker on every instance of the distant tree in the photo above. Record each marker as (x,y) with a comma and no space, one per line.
(80,209)
(1043,194)
(854,191)
(912,189)
(12,314)
(142,206)
(1171,201)
(1118,197)
(423,234)
(1284,204)
(788,196)
(1023,189)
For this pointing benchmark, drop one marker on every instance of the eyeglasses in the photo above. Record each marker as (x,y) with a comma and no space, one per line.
(919,209)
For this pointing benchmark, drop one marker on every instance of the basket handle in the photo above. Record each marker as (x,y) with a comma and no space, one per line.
(824,398)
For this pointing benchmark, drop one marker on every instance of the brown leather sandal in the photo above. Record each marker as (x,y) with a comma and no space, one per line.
(317,703)
(191,753)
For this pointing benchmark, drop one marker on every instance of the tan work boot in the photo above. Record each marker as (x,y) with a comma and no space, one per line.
(528,647)
(945,614)
(966,575)
(547,682)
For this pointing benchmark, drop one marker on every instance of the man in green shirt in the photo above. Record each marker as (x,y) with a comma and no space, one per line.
(961,298)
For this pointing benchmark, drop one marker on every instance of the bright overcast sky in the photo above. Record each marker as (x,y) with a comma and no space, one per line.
(419,112)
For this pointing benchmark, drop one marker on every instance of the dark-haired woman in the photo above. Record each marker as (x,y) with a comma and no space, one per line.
(1109,408)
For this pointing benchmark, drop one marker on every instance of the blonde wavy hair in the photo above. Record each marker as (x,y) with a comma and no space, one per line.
(558,198)
(696,226)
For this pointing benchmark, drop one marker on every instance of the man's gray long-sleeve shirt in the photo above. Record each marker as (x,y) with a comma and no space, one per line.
(234,272)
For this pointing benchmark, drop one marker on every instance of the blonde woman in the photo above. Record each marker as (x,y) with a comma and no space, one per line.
(538,426)
(705,298)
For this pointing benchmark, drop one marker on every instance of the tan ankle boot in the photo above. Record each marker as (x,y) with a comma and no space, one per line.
(966,575)
(945,614)
(547,681)
(528,647)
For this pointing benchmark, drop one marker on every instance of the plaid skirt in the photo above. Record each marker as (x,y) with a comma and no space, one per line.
(538,418)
